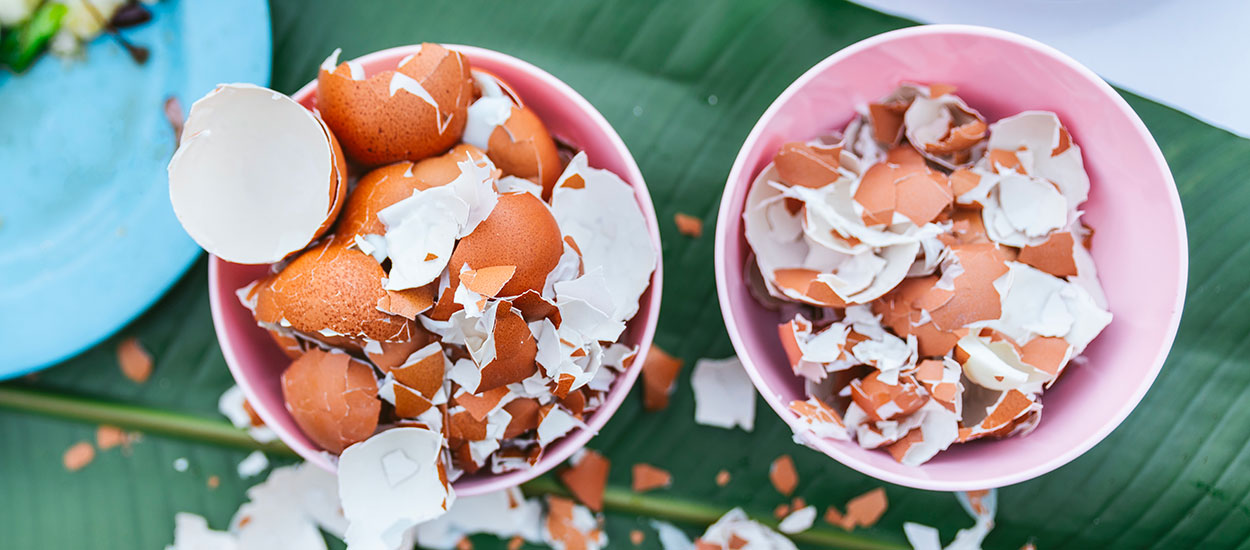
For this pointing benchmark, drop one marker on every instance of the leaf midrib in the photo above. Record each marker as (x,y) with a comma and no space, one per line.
(88,410)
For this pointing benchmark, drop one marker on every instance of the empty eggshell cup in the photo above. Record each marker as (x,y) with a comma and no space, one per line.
(1139,247)
(257,363)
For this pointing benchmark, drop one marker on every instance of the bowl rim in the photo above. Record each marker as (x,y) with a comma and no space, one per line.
(737,179)
(621,388)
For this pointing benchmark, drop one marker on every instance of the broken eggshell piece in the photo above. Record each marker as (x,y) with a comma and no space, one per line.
(390,483)
(411,112)
(511,134)
(256,176)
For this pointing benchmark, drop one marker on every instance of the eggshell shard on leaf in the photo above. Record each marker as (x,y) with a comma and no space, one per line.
(586,478)
(332,398)
(648,478)
(256,176)
(416,110)
(390,483)
(723,394)
(659,373)
(735,530)
(135,361)
(504,514)
(798,520)
(572,527)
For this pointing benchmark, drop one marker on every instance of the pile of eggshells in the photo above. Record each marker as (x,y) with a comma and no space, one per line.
(933,270)
(450,283)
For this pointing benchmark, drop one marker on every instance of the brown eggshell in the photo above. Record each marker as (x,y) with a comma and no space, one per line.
(425,376)
(520,231)
(392,183)
(290,345)
(377,128)
(807,166)
(332,398)
(522,147)
(395,353)
(515,349)
(331,287)
(524,413)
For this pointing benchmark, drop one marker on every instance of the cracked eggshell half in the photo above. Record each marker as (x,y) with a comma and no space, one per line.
(332,397)
(257,176)
(512,135)
(331,291)
(417,110)
(520,232)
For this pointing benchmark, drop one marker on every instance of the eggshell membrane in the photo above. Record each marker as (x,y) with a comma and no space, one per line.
(520,231)
(376,127)
(522,147)
(515,349)
(385,186)
(331,287)
(332,398)
(199,194)
(503,85)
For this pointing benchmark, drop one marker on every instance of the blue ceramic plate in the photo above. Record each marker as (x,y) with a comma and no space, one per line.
(88,239)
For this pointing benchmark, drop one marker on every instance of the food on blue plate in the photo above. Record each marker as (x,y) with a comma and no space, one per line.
(934,269)
(28,28)
(458,309)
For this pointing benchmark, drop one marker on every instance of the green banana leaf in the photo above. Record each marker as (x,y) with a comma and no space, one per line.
(683,82)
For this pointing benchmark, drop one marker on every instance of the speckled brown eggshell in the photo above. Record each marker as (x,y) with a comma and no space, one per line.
(522,147)
(332,397)
(515,350)
(377,128)
(331,290)
(392,183)
(520,231)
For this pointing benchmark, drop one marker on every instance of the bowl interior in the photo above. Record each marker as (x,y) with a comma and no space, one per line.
(257,363)
(1139,243)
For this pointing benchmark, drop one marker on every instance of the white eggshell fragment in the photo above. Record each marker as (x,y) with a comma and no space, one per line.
(391,482)
(590,206)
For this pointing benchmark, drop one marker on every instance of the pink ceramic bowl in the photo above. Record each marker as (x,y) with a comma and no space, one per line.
(1139,245)
(257,363)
